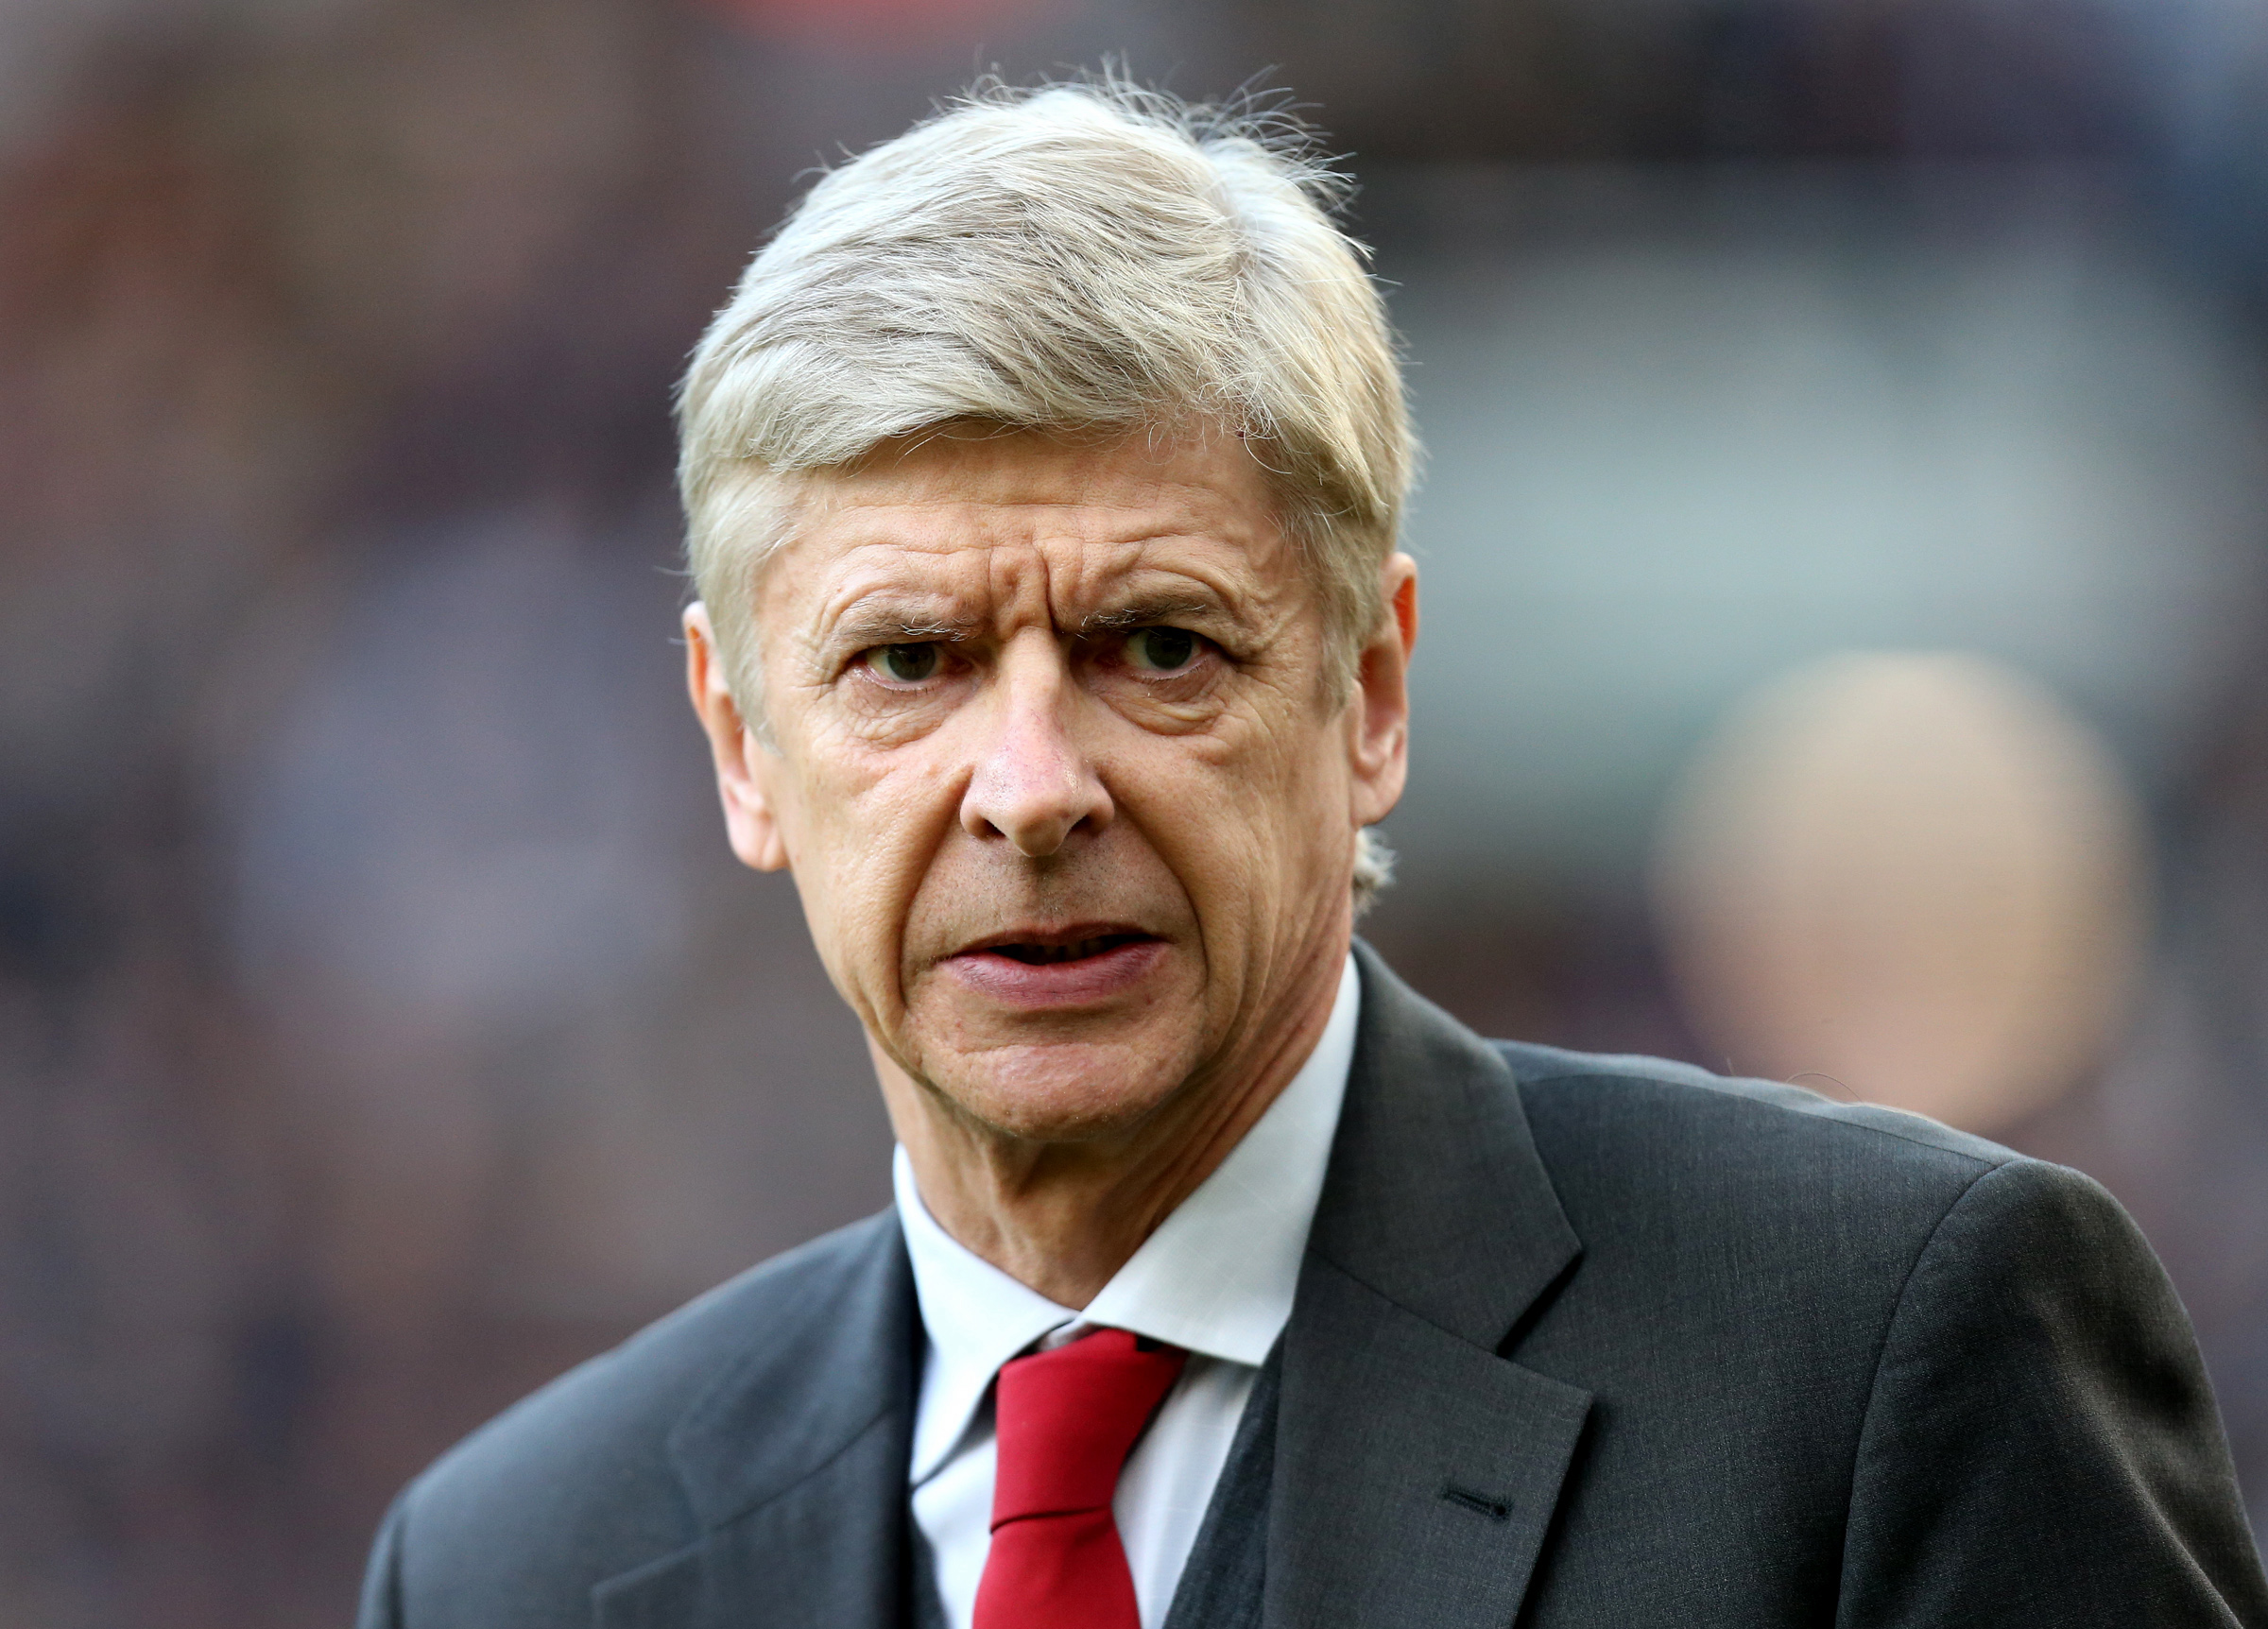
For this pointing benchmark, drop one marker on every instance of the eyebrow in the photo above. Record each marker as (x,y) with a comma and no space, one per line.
(881,625)
(1155,608)
(872,626)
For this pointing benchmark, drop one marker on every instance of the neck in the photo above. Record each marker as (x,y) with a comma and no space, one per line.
(1062,1218)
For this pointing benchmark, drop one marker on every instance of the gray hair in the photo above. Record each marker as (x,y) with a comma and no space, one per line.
(1068,258)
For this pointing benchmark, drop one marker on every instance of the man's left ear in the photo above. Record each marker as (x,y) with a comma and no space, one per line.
(1380,717)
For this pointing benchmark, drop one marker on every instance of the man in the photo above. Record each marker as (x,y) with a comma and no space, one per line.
(1042,478)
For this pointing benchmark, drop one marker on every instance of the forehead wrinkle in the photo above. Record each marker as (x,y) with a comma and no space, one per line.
(1084,585)
(973,557)
(1224,581)
(1211,582)
(984,535)
(1162,499)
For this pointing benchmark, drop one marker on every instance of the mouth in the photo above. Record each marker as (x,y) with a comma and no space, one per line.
(1076,966)
(1043,953)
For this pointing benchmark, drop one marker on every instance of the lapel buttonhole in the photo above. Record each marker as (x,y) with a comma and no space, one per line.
(1494,1509)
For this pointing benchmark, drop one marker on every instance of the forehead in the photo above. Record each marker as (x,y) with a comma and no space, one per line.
(977,511)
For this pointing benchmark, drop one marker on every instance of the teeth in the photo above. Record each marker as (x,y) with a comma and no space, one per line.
(1074,951)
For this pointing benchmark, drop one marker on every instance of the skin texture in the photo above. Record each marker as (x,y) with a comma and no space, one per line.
(974,740)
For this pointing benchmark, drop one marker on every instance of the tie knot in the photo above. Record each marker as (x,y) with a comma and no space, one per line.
(1068,1418)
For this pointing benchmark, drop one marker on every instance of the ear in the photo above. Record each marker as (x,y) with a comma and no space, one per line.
(1380,717)
(744,768)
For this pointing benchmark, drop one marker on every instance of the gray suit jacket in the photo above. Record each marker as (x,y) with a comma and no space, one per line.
(1579,1340)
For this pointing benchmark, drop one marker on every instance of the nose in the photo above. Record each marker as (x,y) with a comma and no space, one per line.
(1032,783)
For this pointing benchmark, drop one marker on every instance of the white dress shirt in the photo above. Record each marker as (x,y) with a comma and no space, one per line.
(1217,1278)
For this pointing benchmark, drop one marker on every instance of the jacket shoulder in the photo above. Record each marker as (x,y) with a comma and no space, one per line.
(1755,1128)
(576,1482)
(1940,1375)
(1760,1192)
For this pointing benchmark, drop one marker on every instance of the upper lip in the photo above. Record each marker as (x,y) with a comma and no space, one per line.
(1054,938)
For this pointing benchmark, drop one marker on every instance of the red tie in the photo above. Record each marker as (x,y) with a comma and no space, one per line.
(1067,1420)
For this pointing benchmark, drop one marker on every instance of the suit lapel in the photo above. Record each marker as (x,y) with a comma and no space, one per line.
(1416,1469)
(795,1463)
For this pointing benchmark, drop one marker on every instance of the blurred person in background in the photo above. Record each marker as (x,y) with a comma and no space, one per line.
(1044,478)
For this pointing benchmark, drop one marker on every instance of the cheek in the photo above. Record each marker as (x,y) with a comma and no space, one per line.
(1250,818)
(1282,762)
(862,830)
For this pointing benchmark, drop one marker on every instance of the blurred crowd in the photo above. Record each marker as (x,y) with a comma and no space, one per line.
(1846,657)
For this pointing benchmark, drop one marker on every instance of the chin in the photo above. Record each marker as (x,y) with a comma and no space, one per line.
(1060,1093)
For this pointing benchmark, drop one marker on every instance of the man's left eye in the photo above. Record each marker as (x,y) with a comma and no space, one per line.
(1161,649)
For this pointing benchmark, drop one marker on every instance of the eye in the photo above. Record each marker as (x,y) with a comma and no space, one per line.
(903,664)
(1161,649)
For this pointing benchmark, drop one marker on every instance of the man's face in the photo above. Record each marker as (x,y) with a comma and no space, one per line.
(1057,764)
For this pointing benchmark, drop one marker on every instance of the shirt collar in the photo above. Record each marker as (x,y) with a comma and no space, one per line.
(1218,1277)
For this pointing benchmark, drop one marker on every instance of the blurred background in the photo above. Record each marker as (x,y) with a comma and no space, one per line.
(1846,657)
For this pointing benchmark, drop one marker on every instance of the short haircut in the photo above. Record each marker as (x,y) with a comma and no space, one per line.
(1069,258)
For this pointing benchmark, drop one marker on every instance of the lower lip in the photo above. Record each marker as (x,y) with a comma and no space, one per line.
(1082,983)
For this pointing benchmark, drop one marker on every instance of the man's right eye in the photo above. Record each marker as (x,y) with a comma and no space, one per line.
(904,663)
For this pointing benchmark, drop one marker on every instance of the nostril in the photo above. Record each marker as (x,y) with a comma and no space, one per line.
(1035,793)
